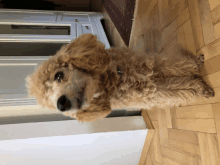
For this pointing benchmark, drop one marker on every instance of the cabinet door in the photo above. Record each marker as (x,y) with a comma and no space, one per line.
(34,26)
(13,71)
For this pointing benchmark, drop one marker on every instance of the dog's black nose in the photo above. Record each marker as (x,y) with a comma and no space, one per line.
(63,103)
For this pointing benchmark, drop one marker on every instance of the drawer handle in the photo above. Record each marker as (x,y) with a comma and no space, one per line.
(87,27)
(76,20)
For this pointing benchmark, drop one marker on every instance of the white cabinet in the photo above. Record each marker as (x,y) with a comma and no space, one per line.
(46,26)
(29,37)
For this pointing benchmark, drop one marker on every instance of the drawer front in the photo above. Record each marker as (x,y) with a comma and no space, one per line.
(27,17)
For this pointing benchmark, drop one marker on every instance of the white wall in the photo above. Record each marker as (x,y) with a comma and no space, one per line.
(118,148)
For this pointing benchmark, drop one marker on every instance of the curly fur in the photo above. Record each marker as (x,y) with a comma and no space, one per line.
(148,79)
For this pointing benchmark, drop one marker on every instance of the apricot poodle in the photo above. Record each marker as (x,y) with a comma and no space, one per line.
(85,81)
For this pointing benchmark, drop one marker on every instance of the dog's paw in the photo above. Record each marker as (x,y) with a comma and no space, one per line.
(208,92)
(200,60)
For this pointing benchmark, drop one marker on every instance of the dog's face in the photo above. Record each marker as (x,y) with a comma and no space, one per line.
(70,80)
(71,90)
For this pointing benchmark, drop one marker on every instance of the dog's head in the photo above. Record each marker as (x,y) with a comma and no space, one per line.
(70,80)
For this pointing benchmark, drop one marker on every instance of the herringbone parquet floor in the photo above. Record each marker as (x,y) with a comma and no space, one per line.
(187,135)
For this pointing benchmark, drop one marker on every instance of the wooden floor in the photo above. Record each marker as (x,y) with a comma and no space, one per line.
(187,135)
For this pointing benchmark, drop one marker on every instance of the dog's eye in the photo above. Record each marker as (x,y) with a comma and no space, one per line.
(59,76)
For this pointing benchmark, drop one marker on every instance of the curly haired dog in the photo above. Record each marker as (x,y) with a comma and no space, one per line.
(85,81)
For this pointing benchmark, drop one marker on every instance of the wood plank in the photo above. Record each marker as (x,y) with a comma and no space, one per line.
(176,7)
(216,112)
(183,136)
(185,148)
(141,8)
(151,155)
(217,30)
(179,157)
(154,16)
(196,24)
(215,13)
(192,161)
(173,49)
(149,160)
(211,66)
(147,143)
(157,153)
(213,79)
(198,111)
(213,4)
(145,7)
(183,17)
(211,50)
(168,117)
(206,21)
(156,24)
(152,113)
(169,30)
(151,149)
(152,27)
(200,162)
(167,161)
(169,44)
(189,37)
(155,124)
(173,117)
(162,126)
(200,125)
(208,148)
(181,38)
(171,40)
(213,149)
(136,31)
(147,120)
(164,13)
(145,17)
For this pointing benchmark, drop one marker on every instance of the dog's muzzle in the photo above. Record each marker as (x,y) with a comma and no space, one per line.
(63,103)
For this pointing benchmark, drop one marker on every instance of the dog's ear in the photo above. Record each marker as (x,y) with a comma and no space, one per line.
(88,53)
(97,110)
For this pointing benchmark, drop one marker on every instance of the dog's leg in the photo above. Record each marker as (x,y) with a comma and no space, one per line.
(199,59)
(91,116)
(177,90)
(207,90)
(99,108)
(179,65)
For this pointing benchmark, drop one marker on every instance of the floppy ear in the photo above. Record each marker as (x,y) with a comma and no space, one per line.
(88,53)
(98,109)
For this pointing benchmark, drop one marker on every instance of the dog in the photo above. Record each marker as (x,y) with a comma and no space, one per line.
(85,81)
